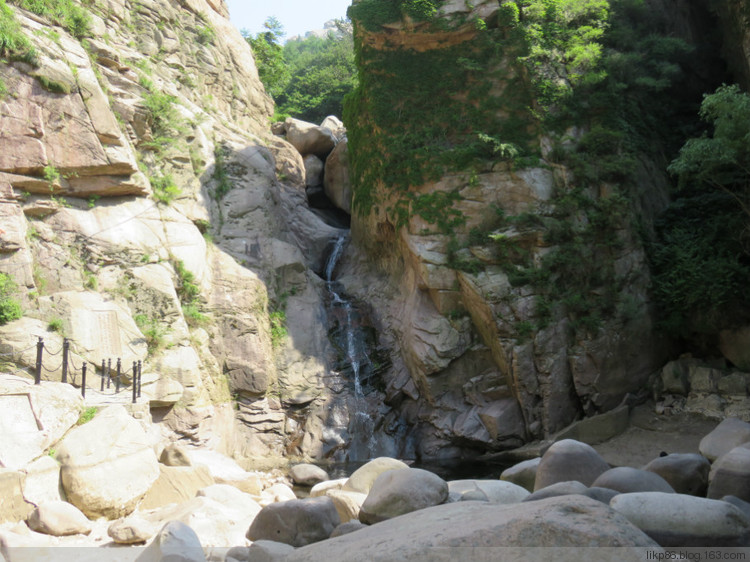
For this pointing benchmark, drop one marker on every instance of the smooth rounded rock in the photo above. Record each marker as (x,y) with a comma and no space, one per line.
(682,520)
(348,527)
(277,493)
(557,489)
(175,542)
(729,434)
(495,491)
(309,138)
(568,460)
(133,529)
(59,518)
(260,551)
(361,479)
(687,473)
(455,531)
(396,492)
(523,473)
(603,495)
(730,475)
(295,522)
(625,479)
(737,502)
(322,488)
(348,504)
(308,474)
(175,454)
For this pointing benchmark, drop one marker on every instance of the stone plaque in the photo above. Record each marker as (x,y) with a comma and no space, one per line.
(108,333)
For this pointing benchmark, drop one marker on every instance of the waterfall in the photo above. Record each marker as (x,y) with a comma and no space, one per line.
(354,348)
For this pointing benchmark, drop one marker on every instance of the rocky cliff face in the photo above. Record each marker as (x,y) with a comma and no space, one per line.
(148,213)
(515,301)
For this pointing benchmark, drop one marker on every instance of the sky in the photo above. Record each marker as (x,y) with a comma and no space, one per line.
(297,16)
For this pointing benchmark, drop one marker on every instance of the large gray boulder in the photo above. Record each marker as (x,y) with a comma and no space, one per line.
(309,138)
(568,460)
(175,542)
(523,473)
(457,529)
(313,171)
(396,492)
(60,519)
(557,489)
(682,520)
(361,479)
(295,522)
(729,434)
(259,551)
(107,465)
(687,473)
(308,474)
(338,186)
(495,491)
(626,479)
(730,475)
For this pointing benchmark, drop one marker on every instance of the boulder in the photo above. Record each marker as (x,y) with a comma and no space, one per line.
(309,138)
(348,504)
(233,498)
(295,522)
(735,346)
(162,392)
(730,475)
(33,417)
(42,482)
(361,479)
(225,470)
(216,524)
(322,488)
(338,186)
(522,474)
(687,473)
(726,436)
(308,474)
(60,519)
(335,125)
(133,529)
(494,491)
(741,504)
(313,171)
(682,520)
(259,551)
(13,506)
(557,489)
(175,542)
(175,454)
(398,491)
(603,495)
(108,464)
(176,484)
(277,493)
(348,527)
(626,479)
(568,460)
(458,528)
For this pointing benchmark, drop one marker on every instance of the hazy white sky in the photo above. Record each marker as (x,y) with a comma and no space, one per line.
(297,16)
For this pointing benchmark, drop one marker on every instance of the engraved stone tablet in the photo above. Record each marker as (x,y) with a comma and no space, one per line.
(108,333)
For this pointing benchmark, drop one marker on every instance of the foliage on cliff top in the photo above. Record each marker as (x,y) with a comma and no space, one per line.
(66,13)
(13,43)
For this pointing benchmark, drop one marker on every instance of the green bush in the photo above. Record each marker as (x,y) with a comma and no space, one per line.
(13,43)
(66,13)
(10,307)
(279,331)
(165,188)
(164,119)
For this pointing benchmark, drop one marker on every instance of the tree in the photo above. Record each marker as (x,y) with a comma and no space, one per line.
(720,160)
(269,56)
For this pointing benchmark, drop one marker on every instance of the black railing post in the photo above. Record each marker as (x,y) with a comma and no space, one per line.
(119,371)
(104,374)
(135,380)
(39,355)
(66,349)
(140,377)
(83,380)
(109,373)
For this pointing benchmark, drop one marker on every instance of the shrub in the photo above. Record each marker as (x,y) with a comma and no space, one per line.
(10,307)
(87,415)
(165,188)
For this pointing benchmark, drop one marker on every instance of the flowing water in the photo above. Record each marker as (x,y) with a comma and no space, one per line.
(350,338)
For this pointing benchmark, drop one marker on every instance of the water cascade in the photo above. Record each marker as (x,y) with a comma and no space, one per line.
(350,338)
